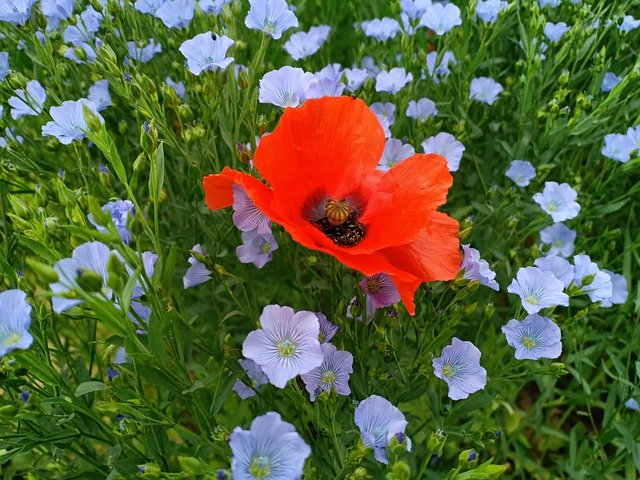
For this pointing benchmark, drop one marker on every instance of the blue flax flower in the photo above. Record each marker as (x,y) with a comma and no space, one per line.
(99,94)
(197,272)
(255,374)
(440,71)
(29,101)
(533,338)
(629,23)
(325,87)
(558,200)
(549,3)
(88,57)
(246,216)
(327,329)
(632,404)
(538,289)
(521,172)
(143,54)
(609,82)
(303,44)
(68,122)
(379,421)
(414,9)
(488,10)
(213,6)
(393,81)
(620,290)
(270,450)
(619,147)
(15,320)
(600,287)
(476,268)
(120,210)
(560,267)
(256,248)
(148,6)
(445,145)
(85,27)
(332,374)
(441,18)
(380,290)
(272,17)
(16,11)
(207,51)
(422,109)
(287,344)
(387,110)
(381,29)
(355,78)
(394,152)
(176,13)
(459,366)
(178,87)
(56,10)
(555,31)
(485,89)
(5,68)
(560,239)
(286,87)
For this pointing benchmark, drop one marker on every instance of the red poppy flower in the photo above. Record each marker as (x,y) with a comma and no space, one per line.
(324,189)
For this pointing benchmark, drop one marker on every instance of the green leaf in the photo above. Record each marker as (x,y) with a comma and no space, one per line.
(89,387)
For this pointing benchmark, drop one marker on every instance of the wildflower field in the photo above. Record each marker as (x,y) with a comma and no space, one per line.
(319,239)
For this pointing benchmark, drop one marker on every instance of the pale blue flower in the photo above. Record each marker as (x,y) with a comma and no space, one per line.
(441,18)
(207,51)
(370,66)
(270,450)
(332,374)
(143,54)
(560,239)
(381,29)
(325,87)
(394,152)
(272,17)
(440,71)
(629,23)
(332,72)
(538,289)
(422,109)
(385,124)
(558,200)
(488,10)
(148,6)
(414,9)
(609,81)
(355,78)
(256,248)
(286,87)
(387,110)
(68,122)
(393,81)
(601,287)
(85,28)
(534,338)
(29,101)
(246,216)
(521,172)
(549,3)
(555,31)
(89,53)
(178,87)
(213,6)
(176,13)
(632,404)
(557,265)
(99,94)
(620,291)
(255,374)
(485,89)
(15,320)
(120,210)
(286,345)
(445,145)
(380,290)
(476,268)
(379,422)
(327,329)
(459,366)
(56,10)
(619,147)
(197,272)
(634,134)
(5,68)
(303,44)
(16,11)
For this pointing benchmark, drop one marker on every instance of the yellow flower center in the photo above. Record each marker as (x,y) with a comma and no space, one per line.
(328,377)
(260,467)
(286,348)
(529,342)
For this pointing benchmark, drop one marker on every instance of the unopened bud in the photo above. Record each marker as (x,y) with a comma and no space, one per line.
(44,272)
(89,280)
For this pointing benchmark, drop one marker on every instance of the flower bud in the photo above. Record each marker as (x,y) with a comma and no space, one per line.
(116,273)
(436,442)
(89,280)
(43,272)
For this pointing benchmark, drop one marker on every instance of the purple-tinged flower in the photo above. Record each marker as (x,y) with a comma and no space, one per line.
(385,124)
(393,81)
(29,101)
(68,122)
(285,87)
(379,421)
(441,18)
(555,31)
(534,338)
(445,145)
(213,6)
(56,10)
(440,71)
(609,82)
(459,366)
(394,152)
(85,27)
(177,87)
(16,11)
(380,290)
(558,200)
(549,3)
(618,147)
(559,266)
(488,10)
(99,94)
(629,23)
(370,310)
(246,216)
(560,238)
(255,374)
(476,268)
(538,289)
(5,68)
(303,44)
(387,110)
(143,54)
(600,287)
(414,9)
(632,404)
(325,87)
(92,256)
(197,272)
(521,172)
(355,78)
(327,329)
(88,57)
(422,109)
(206,51)
(25,396)
(369,64)
(15,320)
(270,449)
(287,344)
(485,89)
(333,373)
(148,6)
(256,248)
(119,211)
(112,374)
(332,72)
(176,13)
(381,29)
(272,17)
(620,291)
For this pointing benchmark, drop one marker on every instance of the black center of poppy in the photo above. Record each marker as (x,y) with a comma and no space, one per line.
(347,234)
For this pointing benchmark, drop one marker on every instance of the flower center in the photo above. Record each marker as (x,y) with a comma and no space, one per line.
(328,377)
(260,467)
(373,286)
(337,212)
(339,221)
(448,370)
(531,300)
(286,348)
(266,247)
(10,340)
(529,342)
